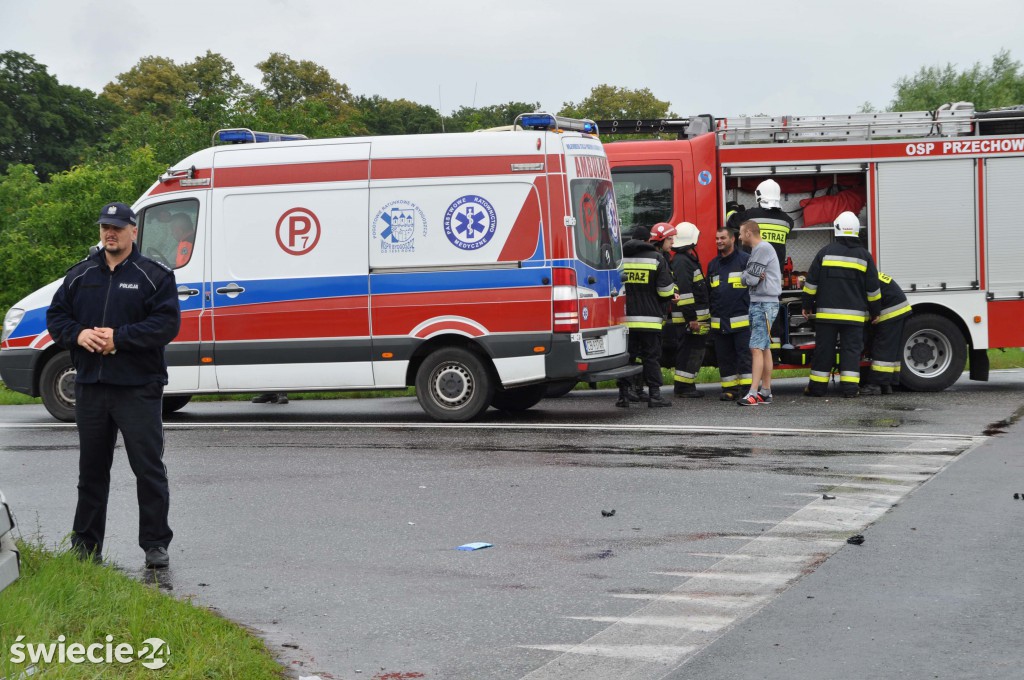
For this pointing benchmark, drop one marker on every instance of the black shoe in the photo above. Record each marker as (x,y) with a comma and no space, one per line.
(870,390)
(886,389)
(657,401)
(157,558)
(727,396)
(809,393)
(687,394)
(850,395)
(86,553)
(623,402)
(266,398)
(281,399)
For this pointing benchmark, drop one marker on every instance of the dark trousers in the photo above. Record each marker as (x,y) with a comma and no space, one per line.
(733,352)
(689,358)
(851,346)
(886,343)
(646,346)
(100,412)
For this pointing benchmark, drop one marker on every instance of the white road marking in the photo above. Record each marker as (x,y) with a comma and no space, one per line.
(738,584)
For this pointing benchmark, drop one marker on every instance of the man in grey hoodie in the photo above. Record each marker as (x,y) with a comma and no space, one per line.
(763,277)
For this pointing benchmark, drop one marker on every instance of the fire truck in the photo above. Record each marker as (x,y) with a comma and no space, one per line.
(936,191)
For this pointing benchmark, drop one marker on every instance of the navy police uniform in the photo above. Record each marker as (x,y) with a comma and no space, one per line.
(121,391)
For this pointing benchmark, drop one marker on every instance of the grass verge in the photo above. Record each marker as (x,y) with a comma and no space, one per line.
(58,594)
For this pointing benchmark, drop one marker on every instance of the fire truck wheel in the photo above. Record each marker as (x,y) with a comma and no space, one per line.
(57,387)
(934,353)
(559,389)
(519,398)
(175,402)
(454,384)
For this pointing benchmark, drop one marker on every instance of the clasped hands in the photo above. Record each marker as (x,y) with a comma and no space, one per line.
(97,340)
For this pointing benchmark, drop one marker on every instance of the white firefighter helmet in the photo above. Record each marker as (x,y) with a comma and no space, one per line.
(768,194)
(847,224)
(686,235)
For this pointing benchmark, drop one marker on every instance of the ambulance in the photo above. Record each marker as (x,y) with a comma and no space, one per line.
(938,193)
(481,268)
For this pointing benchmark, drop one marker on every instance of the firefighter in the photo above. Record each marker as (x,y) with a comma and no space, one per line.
(730,319)
(691,315)
(887,334)
(774,222)
(181,229)
(842,292)
(649,286)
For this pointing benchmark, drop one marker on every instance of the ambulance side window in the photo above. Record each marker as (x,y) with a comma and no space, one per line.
(167,232)
(644,196)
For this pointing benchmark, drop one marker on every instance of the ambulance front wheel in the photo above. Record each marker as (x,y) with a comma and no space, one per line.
(57,387)
(454,384)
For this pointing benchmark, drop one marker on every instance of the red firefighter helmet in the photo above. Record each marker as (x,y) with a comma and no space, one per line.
(662,231)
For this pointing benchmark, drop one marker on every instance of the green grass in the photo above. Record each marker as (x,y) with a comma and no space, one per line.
(58,594)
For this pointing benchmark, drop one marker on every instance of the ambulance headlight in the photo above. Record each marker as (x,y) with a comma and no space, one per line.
(11,321)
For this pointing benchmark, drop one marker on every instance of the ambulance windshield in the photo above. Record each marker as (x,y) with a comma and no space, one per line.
(598,243)
(644,196)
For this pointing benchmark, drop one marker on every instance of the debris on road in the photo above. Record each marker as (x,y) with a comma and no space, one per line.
(608,513)
(855,540)
(475,546)
(827,497)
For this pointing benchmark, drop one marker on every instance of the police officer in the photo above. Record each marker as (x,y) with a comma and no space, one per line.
(730,319)
(842,292)
(775,224)
(691,315)
(115,311)
(887,335)
(649,286)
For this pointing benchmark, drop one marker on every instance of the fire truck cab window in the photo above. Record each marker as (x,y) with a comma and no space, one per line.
(644,196)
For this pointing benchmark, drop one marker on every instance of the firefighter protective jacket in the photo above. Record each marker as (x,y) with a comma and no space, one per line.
(730,298)
(842,285)
(649,285)
(894,301)
(692,304)
(137,299)
(775,227)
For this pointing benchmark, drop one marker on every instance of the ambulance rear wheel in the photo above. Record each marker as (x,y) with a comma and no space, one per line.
(57,387)
(454,384)
(519,398)
(934,353)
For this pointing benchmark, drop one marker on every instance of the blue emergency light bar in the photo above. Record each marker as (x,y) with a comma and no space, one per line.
(547,121)
(247,136)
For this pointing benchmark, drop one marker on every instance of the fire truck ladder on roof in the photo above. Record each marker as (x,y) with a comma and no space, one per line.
(947,121)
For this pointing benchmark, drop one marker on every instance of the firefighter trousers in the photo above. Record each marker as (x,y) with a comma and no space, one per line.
(851,345)
(689,359)
(886,341)
(645,346)
(733,353)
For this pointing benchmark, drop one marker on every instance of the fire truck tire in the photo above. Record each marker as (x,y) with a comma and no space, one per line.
(559,389)
(519,398)
(934,353)
(57,387)
(454,384)
(175,402)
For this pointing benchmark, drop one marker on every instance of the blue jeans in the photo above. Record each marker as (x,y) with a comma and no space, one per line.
(762,316)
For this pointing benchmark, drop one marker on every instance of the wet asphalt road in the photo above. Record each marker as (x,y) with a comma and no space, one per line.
(331,526)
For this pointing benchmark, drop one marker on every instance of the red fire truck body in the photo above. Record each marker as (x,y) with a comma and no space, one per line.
(937,193)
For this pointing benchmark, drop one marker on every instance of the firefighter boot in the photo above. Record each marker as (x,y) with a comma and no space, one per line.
(686,391)
(656,400)
(870,390)
(886,389)
(624,397)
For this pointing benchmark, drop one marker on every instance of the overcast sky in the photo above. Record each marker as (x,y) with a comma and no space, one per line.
(723,58)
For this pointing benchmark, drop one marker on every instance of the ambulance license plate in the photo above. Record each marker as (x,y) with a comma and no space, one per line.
(594,345)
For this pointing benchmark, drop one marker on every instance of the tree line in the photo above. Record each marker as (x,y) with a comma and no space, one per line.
(65,150)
